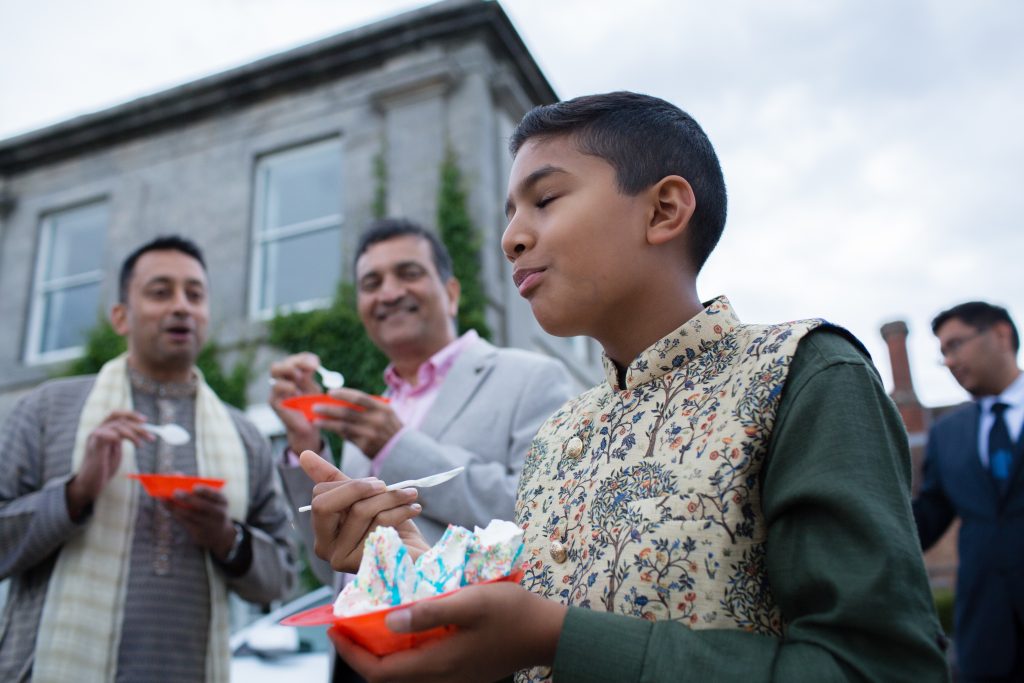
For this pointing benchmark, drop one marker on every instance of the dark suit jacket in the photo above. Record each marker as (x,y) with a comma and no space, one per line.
(990,580)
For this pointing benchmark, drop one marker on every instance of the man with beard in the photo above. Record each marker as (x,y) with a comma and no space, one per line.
(103,576)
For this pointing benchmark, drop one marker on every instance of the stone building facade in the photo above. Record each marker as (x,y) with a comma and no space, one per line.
(273,168)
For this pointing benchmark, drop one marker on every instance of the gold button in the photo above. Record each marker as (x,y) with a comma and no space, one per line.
(574,447)
(558,552)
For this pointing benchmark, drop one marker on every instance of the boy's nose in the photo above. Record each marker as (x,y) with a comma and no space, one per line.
(515,241)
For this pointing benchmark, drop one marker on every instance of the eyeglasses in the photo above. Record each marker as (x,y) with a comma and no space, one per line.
(954,345)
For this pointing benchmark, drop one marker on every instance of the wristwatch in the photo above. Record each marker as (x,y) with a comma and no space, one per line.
(236,545)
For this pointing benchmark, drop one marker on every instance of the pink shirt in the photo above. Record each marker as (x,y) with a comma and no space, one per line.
(412,403)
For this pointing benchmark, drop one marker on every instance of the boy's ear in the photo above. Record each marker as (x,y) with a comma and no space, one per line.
(673,204)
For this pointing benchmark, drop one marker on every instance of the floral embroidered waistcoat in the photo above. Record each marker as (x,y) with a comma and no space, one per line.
(646,500)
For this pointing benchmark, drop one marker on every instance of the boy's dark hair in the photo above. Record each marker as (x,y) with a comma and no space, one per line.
(162,243)
(390,228)
(979,315)
(644,139)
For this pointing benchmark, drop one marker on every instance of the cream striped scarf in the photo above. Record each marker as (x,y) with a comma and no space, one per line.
(80,629)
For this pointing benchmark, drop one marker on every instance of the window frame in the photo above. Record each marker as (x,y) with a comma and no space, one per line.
(41,287)
(262,237)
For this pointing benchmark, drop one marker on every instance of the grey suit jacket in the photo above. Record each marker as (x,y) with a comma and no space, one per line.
(488,410)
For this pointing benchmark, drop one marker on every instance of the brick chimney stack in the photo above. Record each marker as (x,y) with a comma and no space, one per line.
(914,415)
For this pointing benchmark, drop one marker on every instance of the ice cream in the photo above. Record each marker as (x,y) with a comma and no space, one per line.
(387,575)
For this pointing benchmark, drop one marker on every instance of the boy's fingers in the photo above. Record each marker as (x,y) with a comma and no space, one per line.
(397,516)
(428,614)
(346,495)
(332,527)
(325,487)
(318,469)
(353,532)
(373,507)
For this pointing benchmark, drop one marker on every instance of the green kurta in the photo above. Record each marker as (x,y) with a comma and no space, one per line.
(842,555)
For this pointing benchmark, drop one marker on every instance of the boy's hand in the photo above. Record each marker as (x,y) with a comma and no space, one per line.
(501,628)
(345,511)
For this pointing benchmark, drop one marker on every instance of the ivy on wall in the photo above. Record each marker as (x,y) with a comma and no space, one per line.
(463,242)
(103,344)
(337,336)
(379,207)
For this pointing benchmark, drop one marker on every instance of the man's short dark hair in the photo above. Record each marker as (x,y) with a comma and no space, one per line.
(390,228)
(644,139)
(980,315)
(162,243)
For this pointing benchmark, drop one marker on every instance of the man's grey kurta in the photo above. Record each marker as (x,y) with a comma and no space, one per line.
(167,608)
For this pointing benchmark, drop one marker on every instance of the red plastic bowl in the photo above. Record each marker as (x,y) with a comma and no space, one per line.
(369,631)
(304,404)
(164,485)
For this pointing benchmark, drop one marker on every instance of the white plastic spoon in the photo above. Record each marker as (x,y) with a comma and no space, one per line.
(173,434)
(331,379)
(425,482)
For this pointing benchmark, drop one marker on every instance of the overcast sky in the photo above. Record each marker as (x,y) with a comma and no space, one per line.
(873,149)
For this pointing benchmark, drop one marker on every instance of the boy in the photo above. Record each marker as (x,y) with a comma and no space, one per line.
(732,504)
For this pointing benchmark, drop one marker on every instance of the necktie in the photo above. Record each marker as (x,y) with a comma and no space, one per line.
(1000,449)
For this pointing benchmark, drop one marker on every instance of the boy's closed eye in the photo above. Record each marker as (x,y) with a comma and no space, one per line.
(545,200)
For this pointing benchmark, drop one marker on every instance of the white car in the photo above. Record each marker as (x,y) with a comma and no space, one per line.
(267,651)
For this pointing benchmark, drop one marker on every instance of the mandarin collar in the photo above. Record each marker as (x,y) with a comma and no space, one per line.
(677,348)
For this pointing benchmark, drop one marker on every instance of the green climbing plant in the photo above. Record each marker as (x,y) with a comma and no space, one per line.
(463,242)
(380,184)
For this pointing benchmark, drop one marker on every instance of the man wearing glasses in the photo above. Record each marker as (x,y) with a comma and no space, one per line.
(972,471)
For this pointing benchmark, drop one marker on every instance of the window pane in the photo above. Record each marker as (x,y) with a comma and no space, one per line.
(68,315)
(301,268)
(302,186)
(77,239)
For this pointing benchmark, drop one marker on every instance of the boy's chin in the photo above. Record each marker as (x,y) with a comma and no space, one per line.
(557,326)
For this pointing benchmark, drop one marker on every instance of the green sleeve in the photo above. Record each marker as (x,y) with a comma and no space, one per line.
(842,555)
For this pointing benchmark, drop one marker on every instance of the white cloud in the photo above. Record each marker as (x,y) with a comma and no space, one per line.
(872,149)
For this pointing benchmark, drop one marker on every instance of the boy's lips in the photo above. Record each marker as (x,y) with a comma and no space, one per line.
(526,278)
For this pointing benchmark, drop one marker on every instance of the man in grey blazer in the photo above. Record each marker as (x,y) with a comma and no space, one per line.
(454,401)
